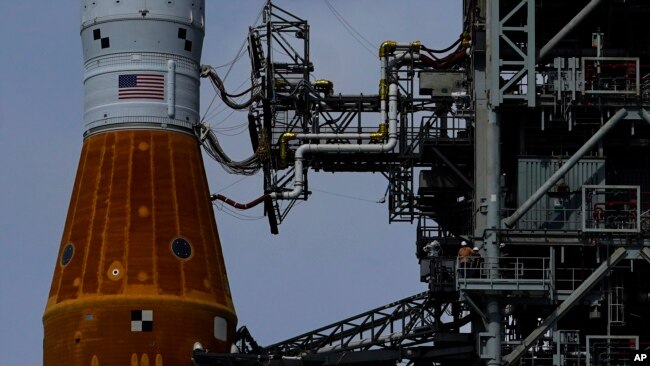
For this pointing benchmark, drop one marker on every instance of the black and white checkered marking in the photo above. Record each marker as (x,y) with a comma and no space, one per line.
(182,34)
(141,320)
(97,36)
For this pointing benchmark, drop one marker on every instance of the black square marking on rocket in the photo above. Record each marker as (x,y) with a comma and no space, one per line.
(182,33)
(106,42)
(97,34)
(188,46)
(141,320)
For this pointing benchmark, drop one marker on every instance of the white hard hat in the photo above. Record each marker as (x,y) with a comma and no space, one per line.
(502,245)
(475,249)
(463,243)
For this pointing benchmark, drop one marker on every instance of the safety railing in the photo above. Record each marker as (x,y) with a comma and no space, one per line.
(603,350)
(612,209)
(568,279)
(553,218)
(509,273)
(611,75)
(442,130)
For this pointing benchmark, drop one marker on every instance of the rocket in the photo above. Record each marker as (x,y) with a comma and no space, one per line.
(140,277)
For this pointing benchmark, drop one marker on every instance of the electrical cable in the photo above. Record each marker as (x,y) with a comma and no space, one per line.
(240,53)
(233,183)
(217,82)
(222,109)
(350,28)
(232,134)
(210,143)
(445,49)
(232,63)
(230,128)
(343,195)
(230,212)
(444,63)
(237,205)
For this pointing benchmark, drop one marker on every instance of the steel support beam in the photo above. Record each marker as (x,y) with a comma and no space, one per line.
(511,220)
(465,297)
(453,167)
(544,51)
(645,254)
(572,300)
(645,115)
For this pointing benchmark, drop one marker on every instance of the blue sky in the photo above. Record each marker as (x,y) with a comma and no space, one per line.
(334,257)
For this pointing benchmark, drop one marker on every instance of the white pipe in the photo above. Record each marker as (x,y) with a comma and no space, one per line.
(299,179)
(511,220)
(299,176)
(314,136)
(171,88)
(399,59)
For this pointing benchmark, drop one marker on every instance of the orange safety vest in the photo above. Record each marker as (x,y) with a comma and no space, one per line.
(465,254)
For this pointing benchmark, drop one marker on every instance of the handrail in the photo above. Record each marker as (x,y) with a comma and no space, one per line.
(514,268)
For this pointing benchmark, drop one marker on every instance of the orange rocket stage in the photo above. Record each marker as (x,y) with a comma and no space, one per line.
(140,276)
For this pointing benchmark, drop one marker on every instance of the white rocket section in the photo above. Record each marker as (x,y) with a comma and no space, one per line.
(141,74)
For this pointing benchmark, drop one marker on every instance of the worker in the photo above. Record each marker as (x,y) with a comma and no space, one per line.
(433,249)
(506,266)
(464,259)
(439,271)
(477,262)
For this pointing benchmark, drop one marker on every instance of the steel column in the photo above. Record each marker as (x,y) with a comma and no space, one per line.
(493,173)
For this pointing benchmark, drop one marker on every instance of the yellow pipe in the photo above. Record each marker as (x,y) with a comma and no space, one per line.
(381,134)
(324,84)
(386,48)
(416,46)
(284,147)
(466,40)
(383,89)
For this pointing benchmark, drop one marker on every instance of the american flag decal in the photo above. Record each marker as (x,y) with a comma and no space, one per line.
(141,86)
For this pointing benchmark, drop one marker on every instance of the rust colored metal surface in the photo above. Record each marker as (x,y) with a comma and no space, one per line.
(140,275)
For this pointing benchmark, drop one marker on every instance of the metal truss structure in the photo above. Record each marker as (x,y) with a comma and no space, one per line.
(293,103)
(527,138)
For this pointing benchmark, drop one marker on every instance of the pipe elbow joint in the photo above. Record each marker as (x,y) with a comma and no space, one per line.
(466,40)
(416,46)
(381,134)
(294,193)
(390,144)
(387,48)
(284,147)
(325,86)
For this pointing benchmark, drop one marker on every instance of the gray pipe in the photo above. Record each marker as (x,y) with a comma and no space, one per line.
(567,28)
(645,115)
(526,206)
